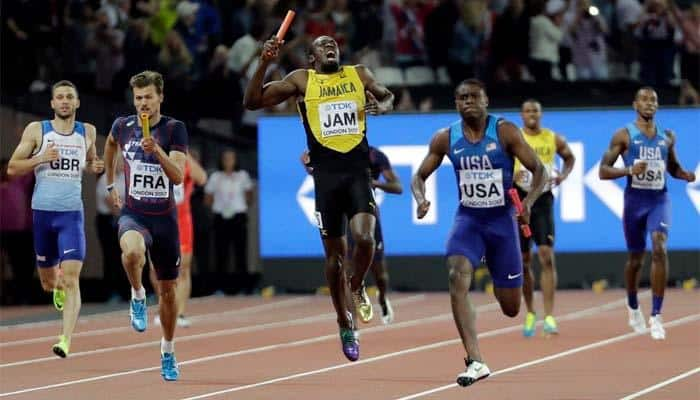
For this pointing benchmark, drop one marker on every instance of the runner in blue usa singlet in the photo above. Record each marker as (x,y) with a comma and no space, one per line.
(481,148)
(649,154)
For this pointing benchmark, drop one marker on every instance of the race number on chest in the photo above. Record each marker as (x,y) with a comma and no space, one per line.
(148,181)
(481,188)
(339,118)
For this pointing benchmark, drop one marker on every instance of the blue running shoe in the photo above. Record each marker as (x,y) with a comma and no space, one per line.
(138,314)
(168,367)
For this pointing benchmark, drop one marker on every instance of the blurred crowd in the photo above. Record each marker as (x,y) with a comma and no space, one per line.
(207,49)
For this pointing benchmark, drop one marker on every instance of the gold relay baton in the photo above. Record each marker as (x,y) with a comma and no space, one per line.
(145,125)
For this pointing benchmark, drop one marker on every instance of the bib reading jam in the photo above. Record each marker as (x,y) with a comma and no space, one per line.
(333,115)
(148,189)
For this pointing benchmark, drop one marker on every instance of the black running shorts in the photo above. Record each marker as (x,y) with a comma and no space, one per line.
(339,196)
(541,222)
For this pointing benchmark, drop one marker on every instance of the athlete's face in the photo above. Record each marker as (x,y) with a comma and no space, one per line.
(64,102)
(471,101)
(646,103)
(147,100)
(531,113)
(325,55)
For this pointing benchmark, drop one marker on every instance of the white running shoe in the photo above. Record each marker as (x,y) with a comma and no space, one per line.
(656,326)
(636,320)
(476,371)
(387,312)
(181,322)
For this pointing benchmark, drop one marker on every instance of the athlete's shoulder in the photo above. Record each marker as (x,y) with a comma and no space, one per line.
(34,126)
(671,135)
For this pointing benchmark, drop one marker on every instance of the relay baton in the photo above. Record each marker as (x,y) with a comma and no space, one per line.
(285,25)
(145,125)
(513,193)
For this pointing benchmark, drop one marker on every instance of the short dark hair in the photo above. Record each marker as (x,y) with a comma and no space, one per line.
(147,78)
(63,83)
(636,94)
(471,81)
(531,100)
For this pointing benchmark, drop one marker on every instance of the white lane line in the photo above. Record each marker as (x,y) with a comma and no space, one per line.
(380,328)
(126,327)
(680,321)
(575,315)
(206,335)
(662,384)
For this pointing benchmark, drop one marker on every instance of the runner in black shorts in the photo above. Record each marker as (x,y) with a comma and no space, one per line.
(333,102)
(547,145)
(148,222)
(379,166)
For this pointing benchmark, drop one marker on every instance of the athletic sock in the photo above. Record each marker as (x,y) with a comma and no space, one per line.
(656,303)
(632,300)
(138,294)
(167,346)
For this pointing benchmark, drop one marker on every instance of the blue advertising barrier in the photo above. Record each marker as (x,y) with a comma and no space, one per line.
(587,210)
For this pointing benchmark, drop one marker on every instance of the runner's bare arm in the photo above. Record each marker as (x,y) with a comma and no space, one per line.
(674,166)
(380,100)
(518,147)
(569,159)
(618,145)
(439,146)
(22,161)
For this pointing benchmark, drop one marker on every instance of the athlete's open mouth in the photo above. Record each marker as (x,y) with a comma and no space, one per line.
(330,55)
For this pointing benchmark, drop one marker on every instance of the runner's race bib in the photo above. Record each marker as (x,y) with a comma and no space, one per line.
(481,188)
(148,181)
(525,178)
(653,178)
(338,118)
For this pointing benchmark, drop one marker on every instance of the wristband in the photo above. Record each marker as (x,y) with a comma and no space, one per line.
(110,187)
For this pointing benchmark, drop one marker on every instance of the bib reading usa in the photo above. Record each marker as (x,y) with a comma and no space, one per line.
(654,176)
(480,185)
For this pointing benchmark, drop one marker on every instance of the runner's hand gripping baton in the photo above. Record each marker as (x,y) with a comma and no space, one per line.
(513,193)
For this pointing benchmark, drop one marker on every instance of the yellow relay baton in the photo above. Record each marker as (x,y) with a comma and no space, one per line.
(145,125)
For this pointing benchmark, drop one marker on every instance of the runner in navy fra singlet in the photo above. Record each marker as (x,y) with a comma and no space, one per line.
(649,153)
(481,148)
(148,222)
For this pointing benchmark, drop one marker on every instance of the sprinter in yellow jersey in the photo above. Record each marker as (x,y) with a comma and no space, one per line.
(547,145)
(333,101)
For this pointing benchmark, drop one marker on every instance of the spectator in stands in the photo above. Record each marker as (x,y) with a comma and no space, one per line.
(657,36)
(509,42)
(545,36)
(192,34)
(624,18)
(588,47)
(107,47)
(471,32)
(689,23)
(439,30)
(16,238)
(409,17)
(228,193)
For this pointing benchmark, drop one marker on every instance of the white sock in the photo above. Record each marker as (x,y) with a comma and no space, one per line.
(167,346)
(138,294)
